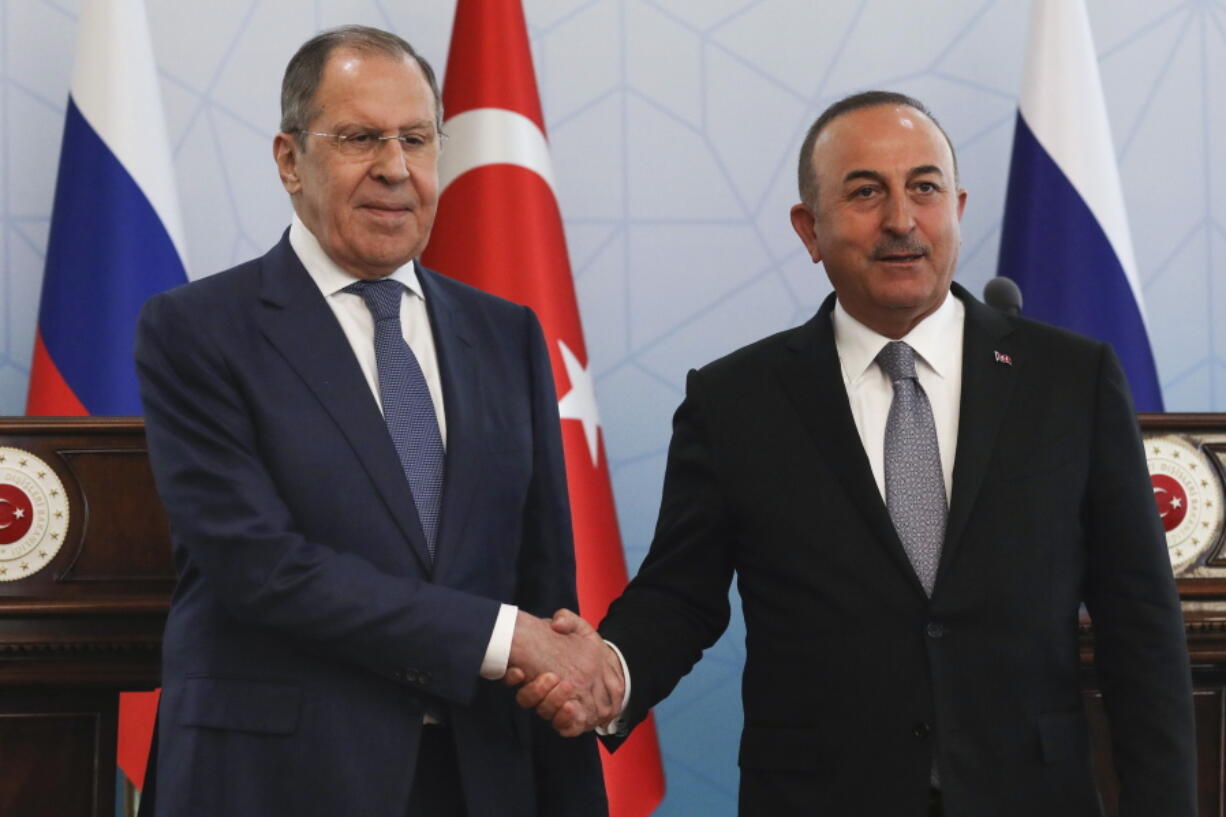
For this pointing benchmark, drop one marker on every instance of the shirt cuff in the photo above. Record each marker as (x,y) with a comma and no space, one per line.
(498,652)
(617,726)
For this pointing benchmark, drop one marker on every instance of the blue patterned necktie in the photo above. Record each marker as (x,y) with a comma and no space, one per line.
(407,407)
(914,482)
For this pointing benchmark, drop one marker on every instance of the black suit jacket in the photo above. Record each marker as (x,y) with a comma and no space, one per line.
(309,630)
(854,680)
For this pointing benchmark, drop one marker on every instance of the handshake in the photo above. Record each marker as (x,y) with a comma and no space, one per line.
(569,675)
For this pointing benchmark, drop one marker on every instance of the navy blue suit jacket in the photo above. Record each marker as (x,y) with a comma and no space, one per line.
(309,631)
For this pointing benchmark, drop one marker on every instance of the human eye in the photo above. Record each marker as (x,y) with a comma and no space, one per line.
(416,140)
(866,191)
(357,142)
(927,188)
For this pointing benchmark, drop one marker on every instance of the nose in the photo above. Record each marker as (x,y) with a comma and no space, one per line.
(389,164)
(898,217)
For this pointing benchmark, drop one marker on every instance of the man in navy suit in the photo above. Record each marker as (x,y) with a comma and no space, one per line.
(912,544)
(362,466)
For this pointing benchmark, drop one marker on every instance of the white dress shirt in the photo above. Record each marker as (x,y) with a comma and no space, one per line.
(937,341)
(359,328)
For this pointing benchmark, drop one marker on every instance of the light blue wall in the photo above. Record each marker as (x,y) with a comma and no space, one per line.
(674,126)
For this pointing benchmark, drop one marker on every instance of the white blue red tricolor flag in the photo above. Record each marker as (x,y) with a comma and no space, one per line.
(116,238)
(1065,239)
(116,235)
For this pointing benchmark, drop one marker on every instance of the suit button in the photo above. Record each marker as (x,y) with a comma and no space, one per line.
(934,630)
(921,730)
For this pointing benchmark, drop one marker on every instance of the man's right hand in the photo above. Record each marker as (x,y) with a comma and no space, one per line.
(575,679)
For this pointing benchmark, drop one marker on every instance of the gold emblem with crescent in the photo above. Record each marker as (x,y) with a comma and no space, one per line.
(1189,498)
(34,514)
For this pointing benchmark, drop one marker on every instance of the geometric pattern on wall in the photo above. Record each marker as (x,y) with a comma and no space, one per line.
(674,126)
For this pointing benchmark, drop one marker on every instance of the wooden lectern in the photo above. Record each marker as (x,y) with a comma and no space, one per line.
(86,577)
(85,582)
(1187,465)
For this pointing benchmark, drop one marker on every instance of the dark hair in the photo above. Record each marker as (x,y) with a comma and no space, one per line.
(866,99)
(306,69)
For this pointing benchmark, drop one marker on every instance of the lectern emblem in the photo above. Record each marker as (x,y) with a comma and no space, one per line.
(33,514)
(1188,495)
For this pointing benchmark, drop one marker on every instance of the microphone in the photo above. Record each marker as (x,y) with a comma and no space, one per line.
(1003,295)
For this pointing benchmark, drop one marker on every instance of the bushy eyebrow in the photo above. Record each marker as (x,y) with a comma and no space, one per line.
(420,124)
(925,170)
(873,175)
(870,175)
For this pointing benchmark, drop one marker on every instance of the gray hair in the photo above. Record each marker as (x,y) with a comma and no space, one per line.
(806,175)
(306,68)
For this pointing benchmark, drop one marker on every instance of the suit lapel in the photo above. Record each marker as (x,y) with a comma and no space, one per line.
(812,378)
(987,385)
(462,400)
(299,323)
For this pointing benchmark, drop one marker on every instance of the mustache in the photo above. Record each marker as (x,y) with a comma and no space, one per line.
(899,245)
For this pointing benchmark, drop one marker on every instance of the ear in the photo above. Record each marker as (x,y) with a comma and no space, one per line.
(961,202)
(285,150)
(805,225)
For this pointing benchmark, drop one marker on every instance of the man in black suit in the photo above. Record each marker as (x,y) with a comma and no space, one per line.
(908,655)
(362,466)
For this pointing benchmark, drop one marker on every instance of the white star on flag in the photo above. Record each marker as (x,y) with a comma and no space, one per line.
(580,402)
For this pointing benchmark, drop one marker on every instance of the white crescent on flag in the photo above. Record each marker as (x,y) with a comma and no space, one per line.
(493,136)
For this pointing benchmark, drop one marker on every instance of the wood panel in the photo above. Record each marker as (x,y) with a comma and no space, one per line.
(57,753)
(87,625)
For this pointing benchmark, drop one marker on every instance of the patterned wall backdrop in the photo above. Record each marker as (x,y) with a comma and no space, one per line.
(674,126)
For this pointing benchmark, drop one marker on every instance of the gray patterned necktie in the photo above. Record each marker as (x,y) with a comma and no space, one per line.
(407,407)
(914,482)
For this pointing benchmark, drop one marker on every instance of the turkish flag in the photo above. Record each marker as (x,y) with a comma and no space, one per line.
(499,229)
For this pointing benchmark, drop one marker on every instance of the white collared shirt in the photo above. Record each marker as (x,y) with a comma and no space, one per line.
(358,324)
(359,328)
(937,341)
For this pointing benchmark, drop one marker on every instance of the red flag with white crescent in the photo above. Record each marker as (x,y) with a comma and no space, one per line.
(496,173)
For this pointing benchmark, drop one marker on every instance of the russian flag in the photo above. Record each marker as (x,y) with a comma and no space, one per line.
(116,239)
(116,234)
(1065,239)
